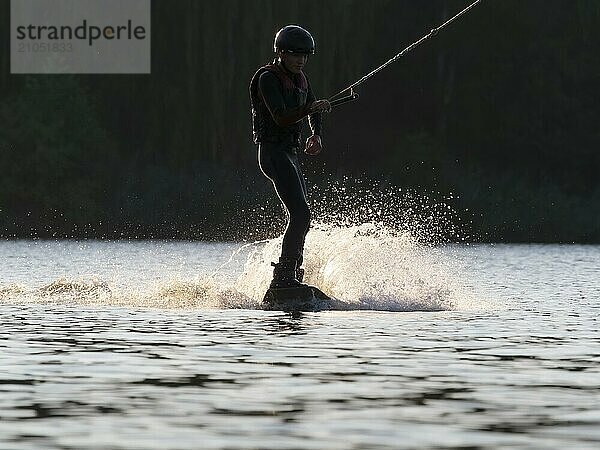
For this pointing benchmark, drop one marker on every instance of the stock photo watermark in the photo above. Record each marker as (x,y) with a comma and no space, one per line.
(80,36)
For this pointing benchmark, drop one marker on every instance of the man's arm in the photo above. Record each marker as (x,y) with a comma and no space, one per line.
(269,88)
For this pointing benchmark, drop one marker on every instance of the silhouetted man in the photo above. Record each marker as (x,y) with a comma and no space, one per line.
(281,98)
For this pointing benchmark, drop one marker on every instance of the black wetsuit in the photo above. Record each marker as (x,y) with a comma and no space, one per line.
(279,107)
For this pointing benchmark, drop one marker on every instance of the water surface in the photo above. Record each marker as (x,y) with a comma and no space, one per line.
(160,345)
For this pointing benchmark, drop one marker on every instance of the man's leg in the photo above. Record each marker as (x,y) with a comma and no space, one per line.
(281,167)
(300,274)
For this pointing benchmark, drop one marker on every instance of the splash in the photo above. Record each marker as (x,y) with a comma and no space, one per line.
(202,293)
(367,267)
(430,219)
(371,247)
(364,267)
(374,247)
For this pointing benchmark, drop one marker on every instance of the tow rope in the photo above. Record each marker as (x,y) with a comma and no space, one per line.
(338,99)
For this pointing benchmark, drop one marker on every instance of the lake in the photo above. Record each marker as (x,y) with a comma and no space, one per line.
(160,345)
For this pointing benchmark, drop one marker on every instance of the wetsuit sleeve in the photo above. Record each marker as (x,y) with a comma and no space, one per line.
(315,120)
(269,88)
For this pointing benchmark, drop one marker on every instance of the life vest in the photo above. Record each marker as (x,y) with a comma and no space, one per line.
(294,92)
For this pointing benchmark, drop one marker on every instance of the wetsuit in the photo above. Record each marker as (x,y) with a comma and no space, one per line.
(280,101)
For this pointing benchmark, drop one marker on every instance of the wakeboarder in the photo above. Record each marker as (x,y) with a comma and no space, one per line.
(281,98)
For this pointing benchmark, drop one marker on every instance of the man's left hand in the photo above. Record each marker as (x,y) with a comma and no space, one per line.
(313,145)
(320,106)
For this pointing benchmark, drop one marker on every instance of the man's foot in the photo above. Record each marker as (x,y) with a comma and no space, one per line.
(284,275)
(305,298)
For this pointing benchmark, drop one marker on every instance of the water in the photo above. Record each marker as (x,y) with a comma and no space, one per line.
(161,345)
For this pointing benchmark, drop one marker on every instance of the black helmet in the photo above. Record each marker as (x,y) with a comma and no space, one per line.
(294,39)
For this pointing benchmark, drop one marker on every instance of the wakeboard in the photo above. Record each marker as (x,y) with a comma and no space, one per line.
(296,299)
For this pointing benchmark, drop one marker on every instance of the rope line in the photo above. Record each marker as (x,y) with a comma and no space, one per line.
(412,46)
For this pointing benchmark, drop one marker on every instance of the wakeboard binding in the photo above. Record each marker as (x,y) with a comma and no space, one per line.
(288,293)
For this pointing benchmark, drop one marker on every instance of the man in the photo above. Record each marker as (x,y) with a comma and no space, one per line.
(281,98)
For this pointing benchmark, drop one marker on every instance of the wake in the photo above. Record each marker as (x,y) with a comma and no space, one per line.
(363,267)
(371,247)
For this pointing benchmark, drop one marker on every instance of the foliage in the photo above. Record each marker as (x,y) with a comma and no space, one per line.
(501,109)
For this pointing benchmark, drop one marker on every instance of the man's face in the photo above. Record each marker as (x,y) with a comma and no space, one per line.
(294,62)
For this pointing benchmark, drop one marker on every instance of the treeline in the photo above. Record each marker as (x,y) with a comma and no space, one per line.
(499,112)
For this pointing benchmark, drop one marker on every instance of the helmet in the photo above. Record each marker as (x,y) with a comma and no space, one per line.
(294,39)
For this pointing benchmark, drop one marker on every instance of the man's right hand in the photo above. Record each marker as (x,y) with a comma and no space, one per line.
(320,106)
